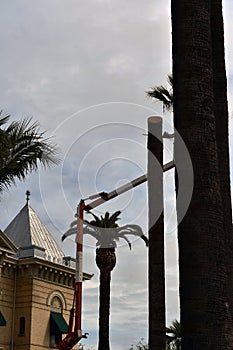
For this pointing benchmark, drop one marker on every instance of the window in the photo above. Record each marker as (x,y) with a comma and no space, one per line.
(22,326)
(55,340)
(2,320)
(58,325)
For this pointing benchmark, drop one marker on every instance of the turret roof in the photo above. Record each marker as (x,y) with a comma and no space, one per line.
(27,230)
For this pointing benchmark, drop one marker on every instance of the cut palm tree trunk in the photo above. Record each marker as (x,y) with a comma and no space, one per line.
(157,329)
(106,261)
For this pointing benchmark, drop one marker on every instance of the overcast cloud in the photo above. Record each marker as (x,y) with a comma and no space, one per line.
(81,68)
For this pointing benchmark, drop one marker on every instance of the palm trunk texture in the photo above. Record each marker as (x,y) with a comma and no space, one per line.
(203,276)
(156,274)
(222,132)
(106,261)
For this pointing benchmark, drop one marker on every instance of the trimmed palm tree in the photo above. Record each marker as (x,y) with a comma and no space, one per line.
(107,233)
(22,148)
(163,94)
(174,336)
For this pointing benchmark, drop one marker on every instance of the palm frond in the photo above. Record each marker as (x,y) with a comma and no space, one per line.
(114,217)
(163,94)
(97,220)
(88,230)
(69,232)
(3,120)
(23,147)
(134,230)
(173,336)
(145,239)
(174,329)
(170,80)
(126,239)
(73,223)
(107,216)
(106,231)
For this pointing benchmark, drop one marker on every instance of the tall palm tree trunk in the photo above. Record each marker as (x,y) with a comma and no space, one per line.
(156,274)
(106,261)
(200,234)
(104,309)
(222,132)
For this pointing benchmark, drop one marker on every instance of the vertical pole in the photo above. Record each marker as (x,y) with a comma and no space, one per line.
(79,269)
(157,330)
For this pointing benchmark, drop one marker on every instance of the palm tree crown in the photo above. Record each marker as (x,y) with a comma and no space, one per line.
(22,148)
(106,230)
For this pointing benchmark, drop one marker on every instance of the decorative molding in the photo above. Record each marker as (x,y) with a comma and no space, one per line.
(56,294)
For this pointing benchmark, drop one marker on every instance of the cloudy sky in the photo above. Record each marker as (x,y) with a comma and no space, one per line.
(81,68)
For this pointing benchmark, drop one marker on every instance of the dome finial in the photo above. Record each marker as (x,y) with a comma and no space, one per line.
(28,196)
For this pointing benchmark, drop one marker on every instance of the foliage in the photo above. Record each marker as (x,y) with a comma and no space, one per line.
(140,345)
(163,94)
(174,336)
(106,230)
(22,148)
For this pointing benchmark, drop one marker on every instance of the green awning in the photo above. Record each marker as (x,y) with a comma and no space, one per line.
(2,320)
(58,323)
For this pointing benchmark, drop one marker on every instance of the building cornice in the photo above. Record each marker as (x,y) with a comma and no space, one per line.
(41,269)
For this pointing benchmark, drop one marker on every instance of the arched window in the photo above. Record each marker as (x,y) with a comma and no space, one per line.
(56,299)
(58,325)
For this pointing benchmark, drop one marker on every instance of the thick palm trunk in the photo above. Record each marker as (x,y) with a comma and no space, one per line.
(200,234)
(106,260)
(222,132)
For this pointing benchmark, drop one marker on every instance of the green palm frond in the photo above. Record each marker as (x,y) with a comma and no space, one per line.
(115,216)
(107,216)
(96,222)
(23,148)
(106,231)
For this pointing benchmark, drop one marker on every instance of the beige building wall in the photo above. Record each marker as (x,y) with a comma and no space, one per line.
(32,289)
(6,303)
(44,297)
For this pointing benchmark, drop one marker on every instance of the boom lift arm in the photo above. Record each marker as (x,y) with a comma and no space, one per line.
(74,328)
